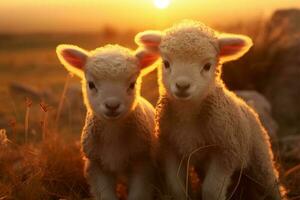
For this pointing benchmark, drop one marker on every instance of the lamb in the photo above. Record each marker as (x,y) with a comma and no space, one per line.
(118,137)
(198,117)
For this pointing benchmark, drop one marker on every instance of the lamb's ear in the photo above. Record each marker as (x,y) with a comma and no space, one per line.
(146,57)
(73,58)
(233,46)
(148,39)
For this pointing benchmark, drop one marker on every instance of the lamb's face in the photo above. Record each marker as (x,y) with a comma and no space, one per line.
(112,84)
(188,71)
(110,76)
(191,53)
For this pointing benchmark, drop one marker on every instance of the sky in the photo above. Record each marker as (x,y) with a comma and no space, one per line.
(92,15)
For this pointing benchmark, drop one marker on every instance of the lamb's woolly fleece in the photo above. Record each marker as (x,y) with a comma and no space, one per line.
(117,144)
(123,147)
(232,129)
(224,120)
(118,148)
(111,62)
(183,40)
(220,119)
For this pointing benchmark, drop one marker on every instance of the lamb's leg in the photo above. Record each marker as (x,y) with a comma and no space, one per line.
(102,184)
(264,174)
(175,178)
(140,182)
(216,181)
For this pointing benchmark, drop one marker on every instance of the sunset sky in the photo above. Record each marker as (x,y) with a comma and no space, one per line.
(92,15)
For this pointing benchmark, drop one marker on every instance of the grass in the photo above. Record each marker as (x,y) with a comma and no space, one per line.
(51,169)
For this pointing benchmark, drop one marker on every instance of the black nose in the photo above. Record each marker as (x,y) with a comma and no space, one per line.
(183,86)
(112,105)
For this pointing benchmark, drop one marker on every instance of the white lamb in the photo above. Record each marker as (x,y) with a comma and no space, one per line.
(118,136)
(199,117)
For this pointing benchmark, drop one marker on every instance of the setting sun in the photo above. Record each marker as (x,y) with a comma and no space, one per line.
(161,4)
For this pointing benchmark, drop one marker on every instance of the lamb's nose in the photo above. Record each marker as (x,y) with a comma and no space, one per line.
(112,104)
(182,85)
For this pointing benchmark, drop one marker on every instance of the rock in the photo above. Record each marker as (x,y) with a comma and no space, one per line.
(290,148)
(282,31)
(73,110)
(31,92)
(263,107)
(282,85)
(74,97)
(150,87)
(289,159)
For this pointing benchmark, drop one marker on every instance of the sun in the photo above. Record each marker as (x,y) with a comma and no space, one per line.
(162,4)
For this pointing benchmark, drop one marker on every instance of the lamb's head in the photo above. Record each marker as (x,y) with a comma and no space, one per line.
(191,55)
(110,76)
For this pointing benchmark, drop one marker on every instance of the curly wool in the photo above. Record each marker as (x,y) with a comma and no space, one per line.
(118,149)
(111,62)
(221,120)
(225,122)
(116,144)
(122,148)
(183,39)
(227,127)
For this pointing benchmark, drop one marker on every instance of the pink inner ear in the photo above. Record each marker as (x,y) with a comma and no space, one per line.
(149,39)
(74,58)
(150,42)
(147,59)
(232,48)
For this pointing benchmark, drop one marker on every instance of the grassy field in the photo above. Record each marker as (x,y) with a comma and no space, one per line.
(47,164)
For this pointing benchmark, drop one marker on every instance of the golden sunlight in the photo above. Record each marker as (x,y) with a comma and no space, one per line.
(162,4)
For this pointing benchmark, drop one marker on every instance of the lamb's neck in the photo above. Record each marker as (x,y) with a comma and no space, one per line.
(214,95)
(184,106)
(196,107)
(117,123)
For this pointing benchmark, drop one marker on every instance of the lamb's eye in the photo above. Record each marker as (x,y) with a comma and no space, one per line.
(207,66)
(91,85)
(132,85)
(166,64)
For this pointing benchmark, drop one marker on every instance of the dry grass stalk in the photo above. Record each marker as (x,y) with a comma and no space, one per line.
(26,123)
(292,170)
(45,109)
(188,164)
(295,198)
(186,187)
(13,124)
(61,102)
(178,175)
